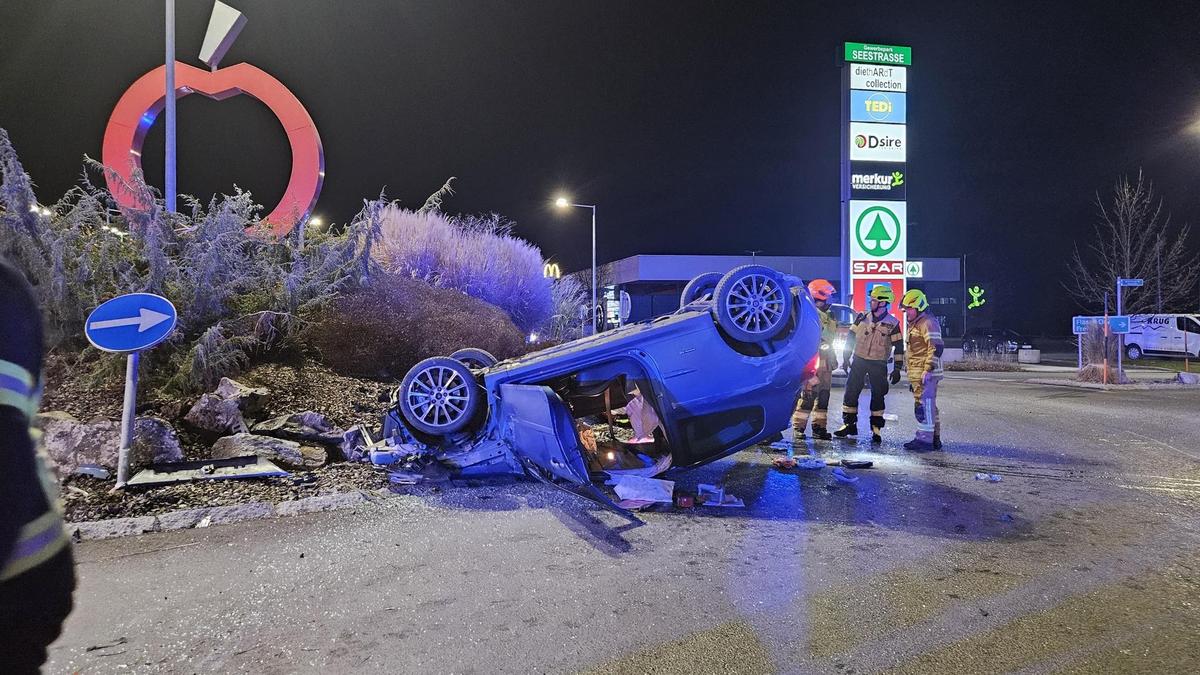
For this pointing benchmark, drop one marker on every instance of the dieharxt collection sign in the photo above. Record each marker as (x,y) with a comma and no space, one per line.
(874,171)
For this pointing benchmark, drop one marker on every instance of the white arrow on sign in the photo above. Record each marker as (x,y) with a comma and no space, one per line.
(146,319)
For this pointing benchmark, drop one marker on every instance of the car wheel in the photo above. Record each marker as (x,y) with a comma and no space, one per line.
(753,303)
(699,287)
(475,358)
(439,396)
(1134,352)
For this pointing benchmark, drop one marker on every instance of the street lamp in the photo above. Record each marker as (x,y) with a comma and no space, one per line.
(562,203)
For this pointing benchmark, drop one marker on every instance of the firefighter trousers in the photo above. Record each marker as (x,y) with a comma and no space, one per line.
(862,370)
(929,418)
(814,399)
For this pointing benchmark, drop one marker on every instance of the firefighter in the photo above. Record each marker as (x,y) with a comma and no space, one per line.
(873,336)
(37,575)
(925,348)
(815,397)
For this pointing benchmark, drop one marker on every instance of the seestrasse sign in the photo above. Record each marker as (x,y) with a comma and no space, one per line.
(861,52)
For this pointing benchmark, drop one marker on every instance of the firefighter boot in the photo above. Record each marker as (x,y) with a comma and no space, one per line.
(877,423)
(849,425)
(820,433)
(918,445)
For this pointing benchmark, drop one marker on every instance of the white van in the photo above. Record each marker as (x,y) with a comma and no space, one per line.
(1163,335)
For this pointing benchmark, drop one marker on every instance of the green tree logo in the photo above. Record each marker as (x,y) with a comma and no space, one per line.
(877,240)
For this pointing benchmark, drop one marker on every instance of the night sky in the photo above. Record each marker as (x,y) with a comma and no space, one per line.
(696,127)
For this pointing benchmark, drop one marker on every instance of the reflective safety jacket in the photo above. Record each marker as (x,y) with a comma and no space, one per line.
(31,500)
(874,339)
(925,347)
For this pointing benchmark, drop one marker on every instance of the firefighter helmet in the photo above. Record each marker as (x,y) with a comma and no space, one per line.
(883,294)
(915,299)
(821,289)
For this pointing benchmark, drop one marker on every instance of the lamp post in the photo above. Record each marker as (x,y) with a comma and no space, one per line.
(169,149)
(562,203)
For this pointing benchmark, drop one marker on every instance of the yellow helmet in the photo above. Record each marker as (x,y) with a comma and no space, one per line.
(915,299)
(883,293)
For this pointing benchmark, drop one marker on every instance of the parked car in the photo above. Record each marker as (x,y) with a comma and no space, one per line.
(721,373)
(994,341)
(1163,335)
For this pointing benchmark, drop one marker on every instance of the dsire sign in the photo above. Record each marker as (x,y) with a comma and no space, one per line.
(140,105)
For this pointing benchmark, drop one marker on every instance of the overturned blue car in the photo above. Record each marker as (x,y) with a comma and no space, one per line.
(721,373)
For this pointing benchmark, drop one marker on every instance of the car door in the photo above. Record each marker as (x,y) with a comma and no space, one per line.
(545,442)
(1187,336)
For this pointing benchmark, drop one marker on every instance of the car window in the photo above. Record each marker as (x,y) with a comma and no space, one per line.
(1187,323)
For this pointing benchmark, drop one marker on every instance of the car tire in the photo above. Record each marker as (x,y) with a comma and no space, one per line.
(1133,352)
(475,358)
(697,288)
(440,396)
(753,303)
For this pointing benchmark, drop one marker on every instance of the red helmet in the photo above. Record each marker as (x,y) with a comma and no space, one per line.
(821,289)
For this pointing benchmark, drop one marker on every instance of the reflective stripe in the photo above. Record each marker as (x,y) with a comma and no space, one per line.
(38,542)
(18,373)
(17,388)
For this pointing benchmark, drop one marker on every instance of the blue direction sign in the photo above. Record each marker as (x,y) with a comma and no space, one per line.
(130,323)
(1118,325)
(1130,282)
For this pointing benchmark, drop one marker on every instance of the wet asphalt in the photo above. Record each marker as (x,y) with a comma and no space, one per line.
(1082,558)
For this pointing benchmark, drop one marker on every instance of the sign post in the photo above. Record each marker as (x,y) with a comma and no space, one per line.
(874,155)
(1122,283)
(126,325)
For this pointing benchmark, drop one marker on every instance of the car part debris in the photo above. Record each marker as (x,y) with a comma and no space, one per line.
(989,477)
(644,489)
(715,495)
(251,466)
(840,474)
(857,463)
(93,470)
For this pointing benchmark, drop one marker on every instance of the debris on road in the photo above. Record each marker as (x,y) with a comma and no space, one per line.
(840,474)
(251,466)
(857,463)
(715,495)
(641,488)
(989,477)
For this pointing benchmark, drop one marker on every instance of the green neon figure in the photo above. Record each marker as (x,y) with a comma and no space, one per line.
(897,178)
(977,298)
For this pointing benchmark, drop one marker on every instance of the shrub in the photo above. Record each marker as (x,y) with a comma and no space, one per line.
(383,329)
(567,296)
(477,255)
(986,363)
(238,291)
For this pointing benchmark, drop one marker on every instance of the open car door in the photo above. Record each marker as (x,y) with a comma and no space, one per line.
(545,442)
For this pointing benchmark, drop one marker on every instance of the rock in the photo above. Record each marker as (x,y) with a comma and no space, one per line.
(181,520)
(113,527)
(289,454)
(305,426)
(154,442)
(1188,378)
(71,444)
(226,408)
(321,503)
(222,515)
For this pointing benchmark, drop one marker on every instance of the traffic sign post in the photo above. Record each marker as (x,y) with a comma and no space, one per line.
(1113,325)
(127,324)
(1122,283)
